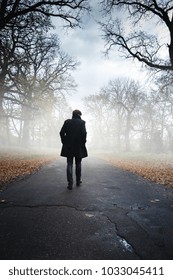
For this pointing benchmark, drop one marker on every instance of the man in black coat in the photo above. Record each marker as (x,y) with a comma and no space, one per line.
(73,137)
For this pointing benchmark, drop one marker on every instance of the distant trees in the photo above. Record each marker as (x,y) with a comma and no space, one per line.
(99,108)
(126,95)
(126,117)
(136,33)
(112,110)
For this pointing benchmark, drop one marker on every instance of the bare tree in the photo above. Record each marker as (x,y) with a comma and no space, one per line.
(126,96)
(42,79)
(136,34)
(98,106)
(19,19)
(31,65)
(39,68)
(68,10)
(125,116)
(113,111)
(15,43)
(164,95)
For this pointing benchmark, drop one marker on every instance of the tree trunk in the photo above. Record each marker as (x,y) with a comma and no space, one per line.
(119,134)
(170,46)
(26,127)
(127,133)
(2,123)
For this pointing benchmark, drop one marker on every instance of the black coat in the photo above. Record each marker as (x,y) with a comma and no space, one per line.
(73,137)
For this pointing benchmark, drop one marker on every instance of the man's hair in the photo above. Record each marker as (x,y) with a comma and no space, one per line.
(77,113)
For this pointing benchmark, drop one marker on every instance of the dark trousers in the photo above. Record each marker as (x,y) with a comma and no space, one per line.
(70,169)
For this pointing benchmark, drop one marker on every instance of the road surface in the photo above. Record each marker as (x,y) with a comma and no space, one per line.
(114,215)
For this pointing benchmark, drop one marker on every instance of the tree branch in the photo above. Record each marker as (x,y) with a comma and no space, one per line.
(65,9)
(139,45)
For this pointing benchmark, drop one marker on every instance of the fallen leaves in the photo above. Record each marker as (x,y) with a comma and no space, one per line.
(156,170)
(16,166)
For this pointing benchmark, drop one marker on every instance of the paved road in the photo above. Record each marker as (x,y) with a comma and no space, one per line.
(113,215)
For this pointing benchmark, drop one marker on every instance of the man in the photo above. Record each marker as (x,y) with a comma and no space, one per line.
(73,137)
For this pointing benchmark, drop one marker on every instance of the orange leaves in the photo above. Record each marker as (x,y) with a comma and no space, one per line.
(159,170)
(12,167)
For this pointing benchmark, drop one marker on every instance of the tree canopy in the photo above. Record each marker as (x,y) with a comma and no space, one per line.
(67,10)
(133,27)
(35,74)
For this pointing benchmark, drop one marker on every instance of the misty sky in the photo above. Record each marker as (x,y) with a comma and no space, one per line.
(95,70)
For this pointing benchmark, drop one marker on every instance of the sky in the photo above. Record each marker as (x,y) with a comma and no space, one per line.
(95,69)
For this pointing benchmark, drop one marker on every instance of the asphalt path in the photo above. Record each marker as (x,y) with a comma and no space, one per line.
(114,214)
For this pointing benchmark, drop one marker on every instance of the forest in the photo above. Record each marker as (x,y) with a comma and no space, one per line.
(36,76)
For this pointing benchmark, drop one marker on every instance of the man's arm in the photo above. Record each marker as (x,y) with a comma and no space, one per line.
(84,133)
(63,133)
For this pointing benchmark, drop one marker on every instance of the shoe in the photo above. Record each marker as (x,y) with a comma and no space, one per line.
(69,187)
(78,183)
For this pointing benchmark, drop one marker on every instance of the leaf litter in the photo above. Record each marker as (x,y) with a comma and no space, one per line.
(17,165)
(14,166)
(158,169)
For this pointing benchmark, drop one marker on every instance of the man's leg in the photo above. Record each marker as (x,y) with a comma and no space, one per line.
(70,172)
(78,162)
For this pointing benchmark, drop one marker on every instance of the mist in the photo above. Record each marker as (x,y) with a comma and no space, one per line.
(122,117)
(126,117)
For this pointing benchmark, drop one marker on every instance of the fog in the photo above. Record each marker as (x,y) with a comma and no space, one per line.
(122,117)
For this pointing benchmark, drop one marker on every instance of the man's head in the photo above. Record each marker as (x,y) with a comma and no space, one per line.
(77,114)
